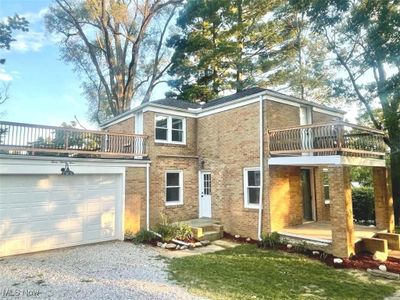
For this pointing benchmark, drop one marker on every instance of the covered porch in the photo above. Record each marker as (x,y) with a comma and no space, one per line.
(321,231)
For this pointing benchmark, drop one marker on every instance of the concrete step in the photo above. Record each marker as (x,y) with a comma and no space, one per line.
(209,232)
(393,239)
(211,236)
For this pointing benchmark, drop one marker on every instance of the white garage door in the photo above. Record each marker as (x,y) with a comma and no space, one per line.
(42,212)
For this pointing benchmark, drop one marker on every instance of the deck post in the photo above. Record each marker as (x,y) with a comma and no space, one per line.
(341,211)
(384,215)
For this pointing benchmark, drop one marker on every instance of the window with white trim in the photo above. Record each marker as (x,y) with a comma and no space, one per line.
(251,187)
(170,129)
(325,182)
(173,187)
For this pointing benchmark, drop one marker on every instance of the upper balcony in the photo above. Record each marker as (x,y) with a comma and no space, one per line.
(34,140)
(337,138)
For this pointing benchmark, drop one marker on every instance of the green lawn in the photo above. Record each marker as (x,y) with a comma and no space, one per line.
(246,272)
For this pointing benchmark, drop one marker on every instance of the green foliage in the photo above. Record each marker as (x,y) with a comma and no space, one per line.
(144,236)
(300,247)
(226,45)
(170,231)
(7,27)
(247,272)
(363,205)
(362,175)
(270,240)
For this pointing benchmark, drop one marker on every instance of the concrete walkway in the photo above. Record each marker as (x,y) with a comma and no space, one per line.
(215,246)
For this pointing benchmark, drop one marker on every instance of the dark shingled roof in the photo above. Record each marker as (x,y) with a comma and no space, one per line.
(176,103)
(185,104)
(241,94)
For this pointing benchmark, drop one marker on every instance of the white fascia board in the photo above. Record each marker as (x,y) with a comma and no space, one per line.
(168,111)
(325,160)
(327,112)
(53,165)
(283,101)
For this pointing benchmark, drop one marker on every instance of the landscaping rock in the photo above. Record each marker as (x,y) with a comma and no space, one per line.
(170,246)
(205,242)
(338,261)
(380,256)
(383,268)
(237,236)
(184,247)
(315,252)
(164,245)
(159,244)
(178,247)
(289,246)
(198,244)
(387,275)
(248,239)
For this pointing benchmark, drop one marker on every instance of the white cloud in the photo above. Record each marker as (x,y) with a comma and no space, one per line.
(29,41)
(35,17)
(4,76)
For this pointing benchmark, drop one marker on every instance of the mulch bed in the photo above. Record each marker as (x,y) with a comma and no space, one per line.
(362,261)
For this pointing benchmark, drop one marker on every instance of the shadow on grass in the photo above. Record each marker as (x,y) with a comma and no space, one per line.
(246,272)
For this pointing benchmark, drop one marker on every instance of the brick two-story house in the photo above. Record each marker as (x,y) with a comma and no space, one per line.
(258,161)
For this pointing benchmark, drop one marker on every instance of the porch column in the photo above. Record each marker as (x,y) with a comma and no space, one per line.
(341,211)
(384,215)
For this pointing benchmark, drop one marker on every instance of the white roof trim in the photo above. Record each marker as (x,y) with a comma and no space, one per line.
(327,112)
(202,112)
(311,160)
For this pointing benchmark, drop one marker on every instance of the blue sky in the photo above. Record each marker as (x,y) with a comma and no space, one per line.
(43,89)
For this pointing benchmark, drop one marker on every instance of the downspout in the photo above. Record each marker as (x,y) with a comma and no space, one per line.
(261,147)
(148,196)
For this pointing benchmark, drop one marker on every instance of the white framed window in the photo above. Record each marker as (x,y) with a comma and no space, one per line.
(170,129)
(173,187)
(325,182)
(251,178)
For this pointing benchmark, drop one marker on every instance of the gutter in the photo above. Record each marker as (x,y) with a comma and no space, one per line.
(261,148)
(148,196)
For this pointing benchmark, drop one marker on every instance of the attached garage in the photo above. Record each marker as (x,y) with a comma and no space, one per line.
(48,211)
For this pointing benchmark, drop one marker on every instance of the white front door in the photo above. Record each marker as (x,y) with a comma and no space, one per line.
(205,194)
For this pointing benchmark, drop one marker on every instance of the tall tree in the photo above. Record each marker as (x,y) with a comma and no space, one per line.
(304,71)
(115,45)
(221,45)
(363,36)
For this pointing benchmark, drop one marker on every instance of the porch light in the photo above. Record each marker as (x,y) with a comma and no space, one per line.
(66,171)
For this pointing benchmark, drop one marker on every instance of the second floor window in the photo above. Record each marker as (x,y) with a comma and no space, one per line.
(170,129)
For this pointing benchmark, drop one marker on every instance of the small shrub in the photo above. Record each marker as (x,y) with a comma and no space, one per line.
(363,205)
(170,231)
(270,240)
(144,236)
(300,247)
(129,235)
(183,232)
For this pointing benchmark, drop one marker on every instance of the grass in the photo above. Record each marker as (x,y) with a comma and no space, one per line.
(247,272)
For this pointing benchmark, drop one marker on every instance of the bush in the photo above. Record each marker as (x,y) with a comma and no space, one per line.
(144,236)
(170,231)
(270,240)
(363,205)
(300,247)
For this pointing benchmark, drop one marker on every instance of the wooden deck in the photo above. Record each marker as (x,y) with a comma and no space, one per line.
(322,231)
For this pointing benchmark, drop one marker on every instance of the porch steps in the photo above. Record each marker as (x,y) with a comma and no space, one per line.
(206,229)
(382,242)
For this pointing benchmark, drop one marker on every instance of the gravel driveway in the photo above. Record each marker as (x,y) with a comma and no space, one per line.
(114,270)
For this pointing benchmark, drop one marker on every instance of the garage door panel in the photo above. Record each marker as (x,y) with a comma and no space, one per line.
(45,212)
